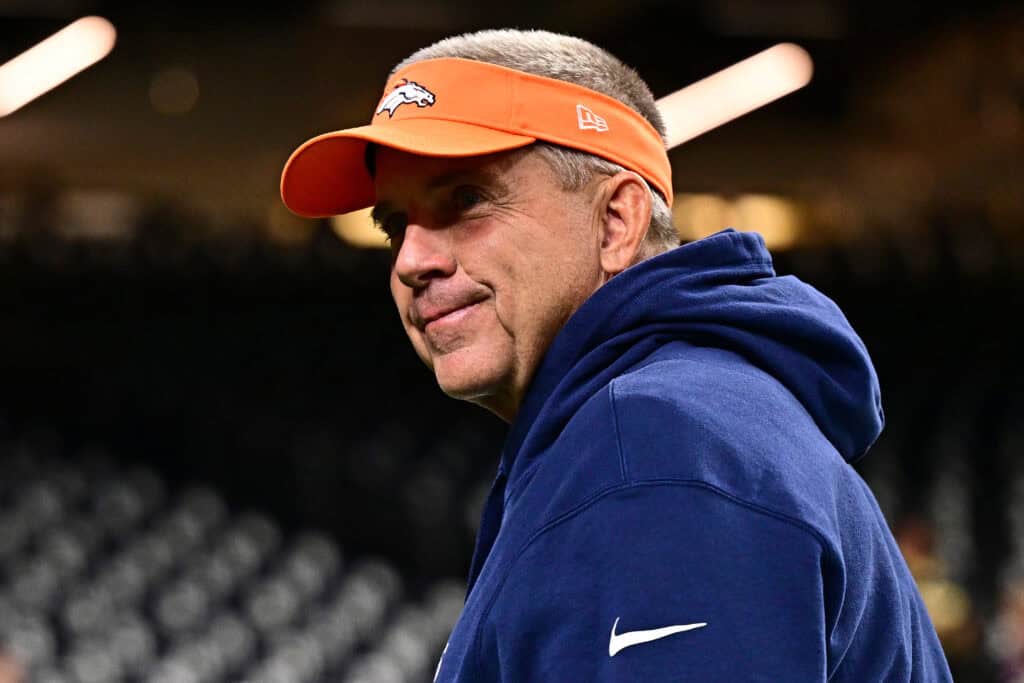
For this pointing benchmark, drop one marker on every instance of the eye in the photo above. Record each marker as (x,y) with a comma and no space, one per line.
(466,197)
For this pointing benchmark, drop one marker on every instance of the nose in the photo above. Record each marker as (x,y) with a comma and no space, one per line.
(424,254)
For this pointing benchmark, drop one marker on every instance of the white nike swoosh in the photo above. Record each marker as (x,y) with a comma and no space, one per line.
(623,640)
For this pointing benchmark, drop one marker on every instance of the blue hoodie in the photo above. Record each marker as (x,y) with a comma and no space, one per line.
(675,500)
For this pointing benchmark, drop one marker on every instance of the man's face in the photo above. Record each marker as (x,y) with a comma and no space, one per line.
(490,258)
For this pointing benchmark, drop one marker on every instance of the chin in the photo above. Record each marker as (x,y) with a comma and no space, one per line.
(468,378)
(465,388)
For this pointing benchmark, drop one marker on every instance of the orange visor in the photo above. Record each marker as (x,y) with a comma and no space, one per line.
(457,108)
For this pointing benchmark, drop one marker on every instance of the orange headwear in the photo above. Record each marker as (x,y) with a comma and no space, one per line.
(454,107)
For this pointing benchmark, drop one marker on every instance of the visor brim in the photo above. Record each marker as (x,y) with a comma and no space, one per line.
(327,175)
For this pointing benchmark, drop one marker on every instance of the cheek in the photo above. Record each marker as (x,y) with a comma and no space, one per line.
(501,262)
(511,255)
(562,274)
(536,268)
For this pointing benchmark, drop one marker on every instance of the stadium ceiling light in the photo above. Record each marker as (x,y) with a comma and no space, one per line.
(49,63)
(735,91)
(357,229)
(779,220)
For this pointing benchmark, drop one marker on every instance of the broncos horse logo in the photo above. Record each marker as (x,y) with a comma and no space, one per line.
(407,93)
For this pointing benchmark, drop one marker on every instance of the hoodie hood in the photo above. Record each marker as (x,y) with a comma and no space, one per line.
(719,292)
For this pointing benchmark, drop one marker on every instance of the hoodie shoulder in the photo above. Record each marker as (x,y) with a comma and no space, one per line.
(707,415)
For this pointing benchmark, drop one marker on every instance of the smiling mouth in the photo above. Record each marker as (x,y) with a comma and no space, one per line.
(452,317)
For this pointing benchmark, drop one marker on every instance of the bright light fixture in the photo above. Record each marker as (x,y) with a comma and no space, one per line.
(778,219)
(357,229)
(49,63)
(735,91)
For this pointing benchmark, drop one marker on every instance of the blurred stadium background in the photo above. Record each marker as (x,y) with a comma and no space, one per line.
(221,461)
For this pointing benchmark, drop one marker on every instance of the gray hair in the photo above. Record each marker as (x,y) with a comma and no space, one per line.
(566,58)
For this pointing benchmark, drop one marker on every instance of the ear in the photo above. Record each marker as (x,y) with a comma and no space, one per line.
(625,214)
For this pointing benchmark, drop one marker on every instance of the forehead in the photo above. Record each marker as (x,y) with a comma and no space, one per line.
(394,167)
(392,164)
(520,171)
(402,177)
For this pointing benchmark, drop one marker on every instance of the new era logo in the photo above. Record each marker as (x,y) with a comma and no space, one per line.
(588,120)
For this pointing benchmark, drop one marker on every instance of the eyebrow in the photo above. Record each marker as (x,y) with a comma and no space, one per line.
(383,208)
(455,177)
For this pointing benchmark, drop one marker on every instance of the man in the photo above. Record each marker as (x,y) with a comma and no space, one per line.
(674,501)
